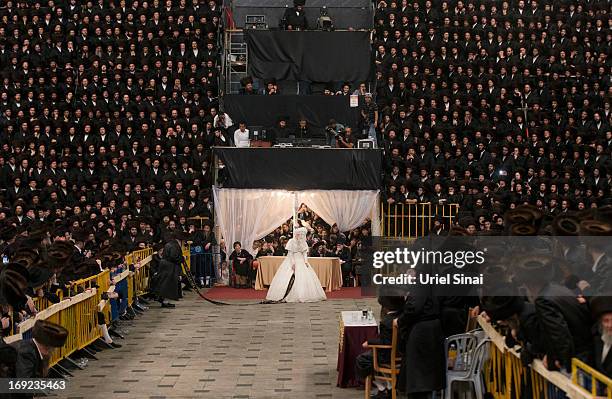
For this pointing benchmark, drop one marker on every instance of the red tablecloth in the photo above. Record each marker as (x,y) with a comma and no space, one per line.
(351,339)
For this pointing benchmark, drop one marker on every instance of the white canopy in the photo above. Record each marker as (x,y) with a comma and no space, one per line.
(247,215)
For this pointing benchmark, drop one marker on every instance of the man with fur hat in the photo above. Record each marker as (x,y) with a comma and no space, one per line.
(33,355)
(601,309)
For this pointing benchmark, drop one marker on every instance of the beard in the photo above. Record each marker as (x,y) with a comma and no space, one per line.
(606,337)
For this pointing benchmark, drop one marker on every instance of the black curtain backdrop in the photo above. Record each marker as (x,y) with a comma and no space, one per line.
(300,168)
(356,14)
(311,56)
(265,110)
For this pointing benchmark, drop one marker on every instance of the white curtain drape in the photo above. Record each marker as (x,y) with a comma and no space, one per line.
(248,215)
(347,209)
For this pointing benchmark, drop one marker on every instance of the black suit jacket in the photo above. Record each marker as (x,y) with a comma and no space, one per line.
(601,281)
(603,365)
(29,364)
(565,322)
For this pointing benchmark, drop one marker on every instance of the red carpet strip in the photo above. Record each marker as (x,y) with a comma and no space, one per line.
(228,293)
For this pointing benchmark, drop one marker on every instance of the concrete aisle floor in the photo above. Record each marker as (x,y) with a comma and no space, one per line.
(199,350)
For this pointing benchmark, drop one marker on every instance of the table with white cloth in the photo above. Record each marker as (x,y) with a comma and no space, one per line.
(327,269)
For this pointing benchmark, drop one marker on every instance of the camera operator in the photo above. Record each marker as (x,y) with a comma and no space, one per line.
(333,130)
(346,140)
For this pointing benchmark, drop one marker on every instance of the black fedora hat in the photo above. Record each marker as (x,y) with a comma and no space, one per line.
(600,305)
(502,301)
(39,276)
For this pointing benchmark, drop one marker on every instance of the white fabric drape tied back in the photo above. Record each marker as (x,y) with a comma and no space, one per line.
(247,215)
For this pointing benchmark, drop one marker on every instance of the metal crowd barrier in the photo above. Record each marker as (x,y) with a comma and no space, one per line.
(590,380)
(505,377)
(79,312)
(43,303)
(414,220)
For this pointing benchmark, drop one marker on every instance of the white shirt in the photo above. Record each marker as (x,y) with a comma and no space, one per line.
(606,350)
(241,139)
(597,263)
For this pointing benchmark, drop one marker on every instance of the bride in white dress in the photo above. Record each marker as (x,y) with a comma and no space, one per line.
(306,287)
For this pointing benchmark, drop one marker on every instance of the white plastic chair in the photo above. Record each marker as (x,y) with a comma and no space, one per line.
(472,350)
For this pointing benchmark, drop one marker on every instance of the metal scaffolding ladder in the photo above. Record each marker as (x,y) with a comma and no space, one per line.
(236,58)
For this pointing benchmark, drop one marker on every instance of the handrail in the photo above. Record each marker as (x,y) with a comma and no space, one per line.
(78,313)
(559,380)
(596,377)
(56,308)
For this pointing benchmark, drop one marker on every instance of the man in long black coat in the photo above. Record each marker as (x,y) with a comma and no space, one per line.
(561,317)
(566,322)
(423,364)
(167,277)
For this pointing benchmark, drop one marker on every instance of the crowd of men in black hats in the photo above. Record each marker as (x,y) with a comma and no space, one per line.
(554,300)
(106,119)
(547,287)
(491,105)
(106,122)
(106,115)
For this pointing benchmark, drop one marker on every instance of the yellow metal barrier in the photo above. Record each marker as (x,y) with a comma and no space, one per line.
(79,313)
(187,253)
(44,303)
(505,377)
(413,220)
(583,374)
(141,281)
(138,256)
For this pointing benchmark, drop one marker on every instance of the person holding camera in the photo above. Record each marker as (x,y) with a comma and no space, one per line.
(346,140)
(332,131)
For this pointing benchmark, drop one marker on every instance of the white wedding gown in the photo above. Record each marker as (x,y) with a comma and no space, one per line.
(306,287)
